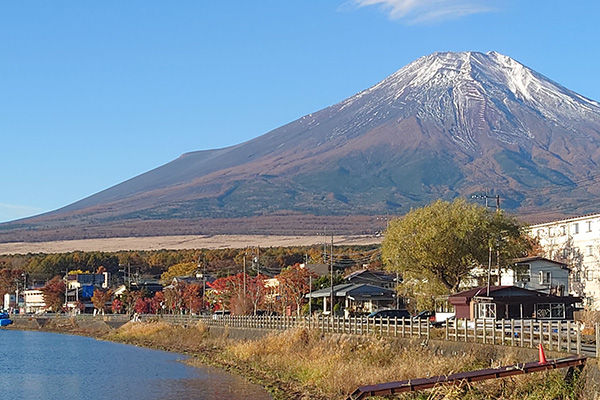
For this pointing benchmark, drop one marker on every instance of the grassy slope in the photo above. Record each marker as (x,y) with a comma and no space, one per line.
(301,364)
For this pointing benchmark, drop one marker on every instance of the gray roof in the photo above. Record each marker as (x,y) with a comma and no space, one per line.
(353,290)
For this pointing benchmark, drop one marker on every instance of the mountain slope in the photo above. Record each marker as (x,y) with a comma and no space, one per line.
(446,125)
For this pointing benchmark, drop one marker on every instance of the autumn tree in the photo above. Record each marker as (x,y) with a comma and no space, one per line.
(9,279)
(228,291)
(54,293)
(445,241)
(192,298)
(294,284)
(142,305)
(255,291)
(100,298)
(157,303)
(116,306)
(174,298)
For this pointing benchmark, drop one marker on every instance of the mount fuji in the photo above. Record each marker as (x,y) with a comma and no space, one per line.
(447,125)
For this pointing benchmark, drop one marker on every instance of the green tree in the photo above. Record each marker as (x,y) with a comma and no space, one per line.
(445,241)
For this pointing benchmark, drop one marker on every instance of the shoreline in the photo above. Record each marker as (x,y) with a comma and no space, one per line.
(307,364)
(199,356)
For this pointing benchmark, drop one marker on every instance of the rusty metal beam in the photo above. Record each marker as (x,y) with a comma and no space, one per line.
(390,388)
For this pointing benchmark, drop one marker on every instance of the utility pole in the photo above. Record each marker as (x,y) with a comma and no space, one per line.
(331,264)
(245,252)
(489,275)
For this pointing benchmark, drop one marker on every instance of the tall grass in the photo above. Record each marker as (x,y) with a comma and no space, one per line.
(312,365)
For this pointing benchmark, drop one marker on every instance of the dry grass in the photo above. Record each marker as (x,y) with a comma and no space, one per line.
(309,365)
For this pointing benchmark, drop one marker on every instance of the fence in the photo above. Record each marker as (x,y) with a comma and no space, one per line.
(335,325)
(553,335)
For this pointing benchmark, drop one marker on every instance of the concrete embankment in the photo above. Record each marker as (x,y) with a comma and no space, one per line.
(92,327)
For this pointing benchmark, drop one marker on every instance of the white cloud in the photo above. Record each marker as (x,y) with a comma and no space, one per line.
(10,212)
(420,11)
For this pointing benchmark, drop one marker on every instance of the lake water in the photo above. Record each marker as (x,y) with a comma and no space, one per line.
(41,365)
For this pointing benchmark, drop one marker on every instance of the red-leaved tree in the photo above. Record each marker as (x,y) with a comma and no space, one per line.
(157,303)
(117,306)
(54,293)
(293,286)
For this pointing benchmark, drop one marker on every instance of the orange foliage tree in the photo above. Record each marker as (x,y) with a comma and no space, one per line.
(294,284)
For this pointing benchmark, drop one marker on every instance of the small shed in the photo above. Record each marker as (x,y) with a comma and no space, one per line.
(511,302)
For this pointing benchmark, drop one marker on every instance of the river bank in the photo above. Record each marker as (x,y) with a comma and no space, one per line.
(303,364)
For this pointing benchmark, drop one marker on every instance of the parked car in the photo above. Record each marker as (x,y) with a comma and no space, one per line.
(221,313)
(442,323)
(425,314)
(389,314)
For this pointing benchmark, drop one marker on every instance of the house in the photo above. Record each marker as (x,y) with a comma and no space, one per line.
(34,300)
(374,278)
(575,242)
(80,289)
(356,298)
(537,273)
(511,302)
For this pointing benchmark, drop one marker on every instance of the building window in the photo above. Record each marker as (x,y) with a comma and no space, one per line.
(589,251)
(545,277)
(563,230)
(551,232)
(593,275)
(575,228)
(486,310)
(589,226)
(550,311)
(522,273)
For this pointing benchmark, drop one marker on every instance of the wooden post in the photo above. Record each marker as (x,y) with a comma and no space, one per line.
(466,330)
(512,332)
(597,328)
(550,335)
(484,334)
(578,338)
(569,327)
(446,329)
(559,338)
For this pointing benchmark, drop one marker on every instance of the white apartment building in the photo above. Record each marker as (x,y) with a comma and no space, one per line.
(575,242)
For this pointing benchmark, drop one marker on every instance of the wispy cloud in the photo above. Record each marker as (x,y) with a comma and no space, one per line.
(422,11)
(10,212)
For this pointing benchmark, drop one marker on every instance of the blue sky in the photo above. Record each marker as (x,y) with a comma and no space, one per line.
(93,93)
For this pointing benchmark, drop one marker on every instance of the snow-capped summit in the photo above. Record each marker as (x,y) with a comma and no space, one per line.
(470,94)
